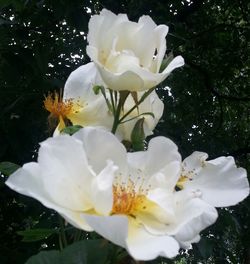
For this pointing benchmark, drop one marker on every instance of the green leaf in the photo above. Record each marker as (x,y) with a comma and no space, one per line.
(32,235)
(138,135)
(45,257)
(135,98)
(71,129)
(166,61)
(82,252)
(205,246)
(8,168)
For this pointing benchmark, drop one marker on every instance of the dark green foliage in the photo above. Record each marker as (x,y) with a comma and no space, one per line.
(83,252)
(206,108)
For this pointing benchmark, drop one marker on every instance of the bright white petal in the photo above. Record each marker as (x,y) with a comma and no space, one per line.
(220,181)
(156,172)
(65,172)
(166,177)
(144,246)
(81,81)
(175,63)
(149,160)
(111,37)
(102,189)
(192,216)
(100,146)
(127,80)
(113,228)
(91,109)
(28,181)
(193,163)
(188,244)
(161,32)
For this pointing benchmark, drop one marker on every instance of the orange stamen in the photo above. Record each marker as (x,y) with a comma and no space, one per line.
(56,106)
(126,200)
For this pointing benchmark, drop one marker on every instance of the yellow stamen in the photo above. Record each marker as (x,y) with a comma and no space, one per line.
(181,181)
(57,107)
(126,200)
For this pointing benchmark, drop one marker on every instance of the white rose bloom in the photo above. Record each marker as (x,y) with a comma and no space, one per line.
(128,198)
(219,181)
(79,103)
(83,107)
(129,54)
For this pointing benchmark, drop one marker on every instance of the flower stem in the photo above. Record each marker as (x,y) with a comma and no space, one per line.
(77,235)
(116,116)
(145,95)
(62,237)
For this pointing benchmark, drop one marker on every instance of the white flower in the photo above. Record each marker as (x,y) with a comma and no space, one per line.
(79,103)
(129,54)
(128,198)
(219,181)
(83,107)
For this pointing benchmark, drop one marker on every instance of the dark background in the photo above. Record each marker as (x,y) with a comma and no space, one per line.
(206,108)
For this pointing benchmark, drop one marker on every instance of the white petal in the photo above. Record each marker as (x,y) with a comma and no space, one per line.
(113,228)
(156,172)
(81,81)
(145,34)
(103,29)
(165,202)
(122,81)
(91,109)
(110,34)
(175,63)
(192,216)
(158,147)
(100,146)
(65,172)
(220,181)
(188,244)
(102,189)
(194,162)
(28,181)
(166,177)
(144,246)
(161,32)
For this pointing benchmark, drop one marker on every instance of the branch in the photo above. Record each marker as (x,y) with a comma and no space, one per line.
(209,83)
(239,152)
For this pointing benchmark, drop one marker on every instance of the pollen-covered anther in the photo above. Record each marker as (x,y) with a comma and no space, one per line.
(57,106)
(126,200)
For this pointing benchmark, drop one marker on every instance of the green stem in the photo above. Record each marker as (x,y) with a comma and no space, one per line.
(77,235)
(112,100)
(62,232)
(60,242)
(117,116)
(145,95)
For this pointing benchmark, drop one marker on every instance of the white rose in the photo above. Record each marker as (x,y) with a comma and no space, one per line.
(128,198)
(129,54)
(219,181)
(79,103)
(84,107)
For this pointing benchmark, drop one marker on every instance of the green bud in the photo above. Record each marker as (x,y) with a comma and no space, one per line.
(97,88)
(138,135)
(70,130)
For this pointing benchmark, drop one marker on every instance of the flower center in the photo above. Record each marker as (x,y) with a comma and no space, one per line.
(57,107)
(128,201)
